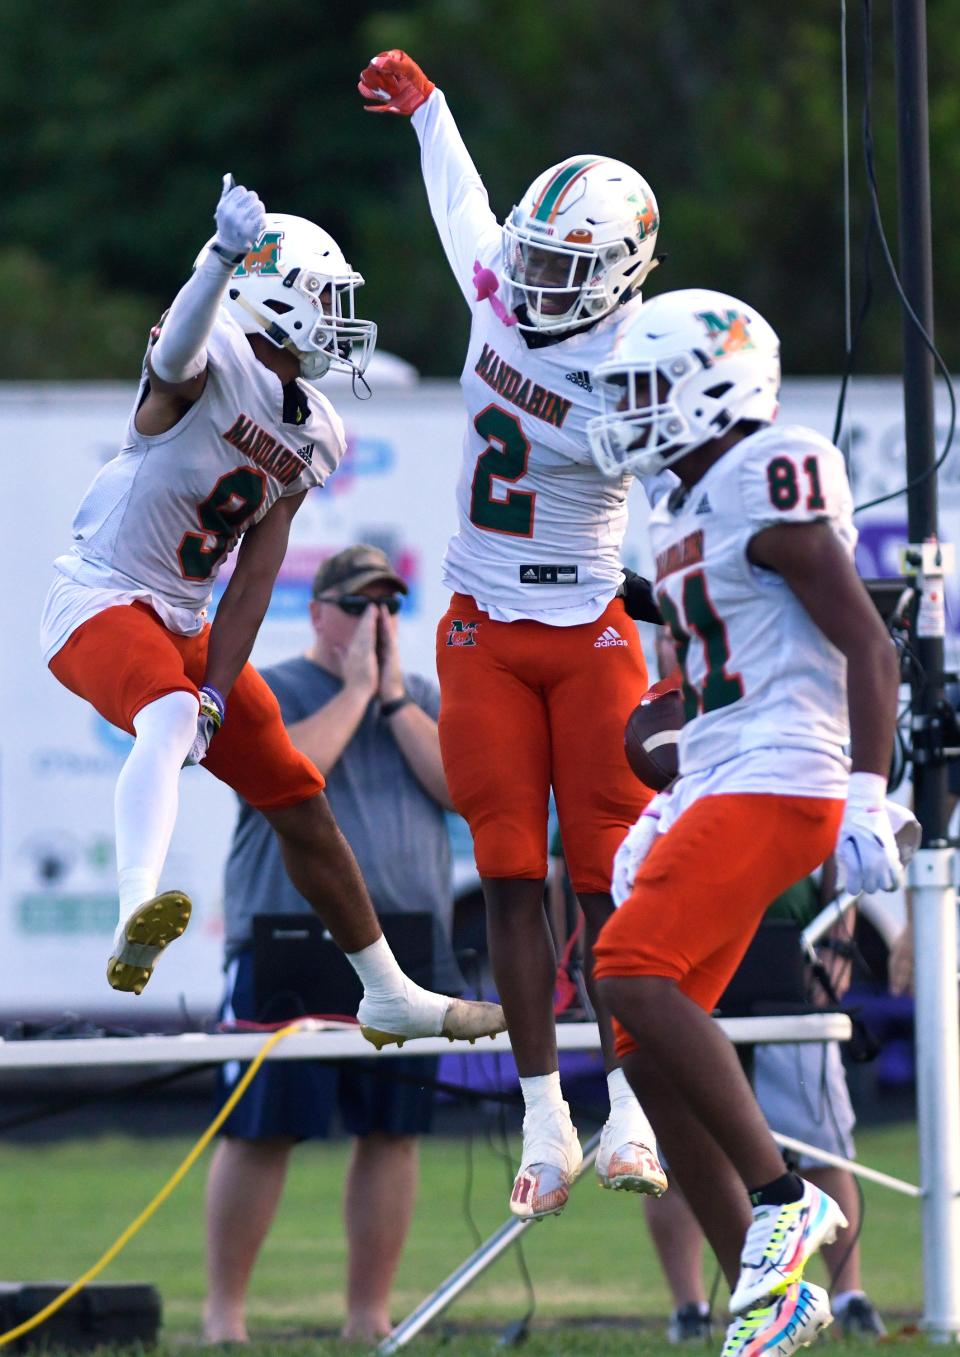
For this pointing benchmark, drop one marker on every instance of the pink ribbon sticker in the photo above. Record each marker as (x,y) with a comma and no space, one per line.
(487,284)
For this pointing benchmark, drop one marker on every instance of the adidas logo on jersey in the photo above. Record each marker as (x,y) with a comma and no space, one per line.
(609,637)
(580,379)
(704,507)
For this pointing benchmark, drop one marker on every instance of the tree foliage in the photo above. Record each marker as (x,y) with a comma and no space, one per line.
(120,121)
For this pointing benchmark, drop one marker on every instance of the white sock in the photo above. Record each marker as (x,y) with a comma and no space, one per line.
(840,1302)
(378,969)
(623,1100)
(541,1090)
(145,801)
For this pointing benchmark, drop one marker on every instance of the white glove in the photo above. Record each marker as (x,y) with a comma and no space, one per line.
(241,221)
(209,720)
(867,855)
(635,847)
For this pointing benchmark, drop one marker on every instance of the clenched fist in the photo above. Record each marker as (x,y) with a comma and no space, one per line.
(395,83)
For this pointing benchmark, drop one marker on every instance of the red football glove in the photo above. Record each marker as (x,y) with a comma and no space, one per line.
(395,83)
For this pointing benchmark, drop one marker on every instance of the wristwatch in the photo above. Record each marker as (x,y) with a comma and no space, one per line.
(388,708)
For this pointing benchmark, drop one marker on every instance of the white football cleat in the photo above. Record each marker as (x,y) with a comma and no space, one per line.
(140,939)
(626,1162)
(549,1163)
(417,1012)
(788,1322)
(779,1244)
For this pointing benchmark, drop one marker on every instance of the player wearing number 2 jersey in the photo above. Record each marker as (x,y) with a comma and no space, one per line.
(539,663)
(779,645)
(226,437)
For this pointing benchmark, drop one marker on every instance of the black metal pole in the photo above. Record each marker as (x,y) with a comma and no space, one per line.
(916,272)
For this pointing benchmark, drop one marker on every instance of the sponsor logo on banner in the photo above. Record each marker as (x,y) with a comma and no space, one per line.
(61,915)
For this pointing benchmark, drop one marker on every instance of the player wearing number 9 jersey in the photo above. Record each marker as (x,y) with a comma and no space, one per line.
(539,663)
(784,660)
(226,437)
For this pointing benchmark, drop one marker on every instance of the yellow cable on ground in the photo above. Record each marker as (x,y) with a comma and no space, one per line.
(162,1195)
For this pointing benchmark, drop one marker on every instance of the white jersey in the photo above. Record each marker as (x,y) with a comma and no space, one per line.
(160,519)
(540,528)
(762,684)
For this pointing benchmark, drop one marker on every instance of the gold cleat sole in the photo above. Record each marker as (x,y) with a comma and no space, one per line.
(150,928)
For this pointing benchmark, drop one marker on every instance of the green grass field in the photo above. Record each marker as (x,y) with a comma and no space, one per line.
(64,1203)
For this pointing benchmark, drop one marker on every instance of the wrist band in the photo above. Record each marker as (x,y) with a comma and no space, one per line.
(228,256)
(388,708)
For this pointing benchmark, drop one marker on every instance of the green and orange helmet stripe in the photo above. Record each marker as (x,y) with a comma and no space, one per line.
(558,186)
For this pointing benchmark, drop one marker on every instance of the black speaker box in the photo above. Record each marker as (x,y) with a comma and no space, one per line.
(98,1315)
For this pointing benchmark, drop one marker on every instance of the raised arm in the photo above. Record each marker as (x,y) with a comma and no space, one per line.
(458,200)
(177,364)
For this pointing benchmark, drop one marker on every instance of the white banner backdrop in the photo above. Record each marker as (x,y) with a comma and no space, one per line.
(59,760)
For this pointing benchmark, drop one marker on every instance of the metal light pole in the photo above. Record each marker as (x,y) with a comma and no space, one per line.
(931,873)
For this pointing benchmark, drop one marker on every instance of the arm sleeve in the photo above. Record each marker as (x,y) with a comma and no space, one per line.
(181,351)
(468,229)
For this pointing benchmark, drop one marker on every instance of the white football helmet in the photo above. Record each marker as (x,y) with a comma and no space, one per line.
(579,242)
(296,288)
(688,366)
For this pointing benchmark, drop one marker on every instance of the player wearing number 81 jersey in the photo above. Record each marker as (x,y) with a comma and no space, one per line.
(226,437)
(749,692)
(779,645)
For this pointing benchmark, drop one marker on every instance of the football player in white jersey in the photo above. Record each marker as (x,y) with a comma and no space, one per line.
(784,661)
(226,436)
(539,662)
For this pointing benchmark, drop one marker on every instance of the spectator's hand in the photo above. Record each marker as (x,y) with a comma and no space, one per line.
(867,855)
(240,217)
(388,654)
(395,83)
(635,847)
(358,660)
(900,966)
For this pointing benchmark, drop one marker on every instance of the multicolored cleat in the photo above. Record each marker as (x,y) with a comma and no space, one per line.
(780,1242)
(788,1322)
(141,938)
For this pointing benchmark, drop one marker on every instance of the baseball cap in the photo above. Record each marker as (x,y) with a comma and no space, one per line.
(354,568)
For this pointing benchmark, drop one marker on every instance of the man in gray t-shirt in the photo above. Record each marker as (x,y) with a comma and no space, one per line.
(372,732)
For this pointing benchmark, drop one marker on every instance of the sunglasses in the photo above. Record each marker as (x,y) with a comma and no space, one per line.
(355,605)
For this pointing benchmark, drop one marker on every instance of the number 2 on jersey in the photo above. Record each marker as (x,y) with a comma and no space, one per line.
(505,459)
(224,514)
(719,688)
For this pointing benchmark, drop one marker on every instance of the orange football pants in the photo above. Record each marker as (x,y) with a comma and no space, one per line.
(524,706)
(124,658)
(700,894)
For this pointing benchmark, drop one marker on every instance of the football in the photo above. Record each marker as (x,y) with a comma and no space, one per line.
(650,738)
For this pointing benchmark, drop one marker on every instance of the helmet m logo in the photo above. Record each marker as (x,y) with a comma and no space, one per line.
(647,219)
(264,258)
(728,333)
